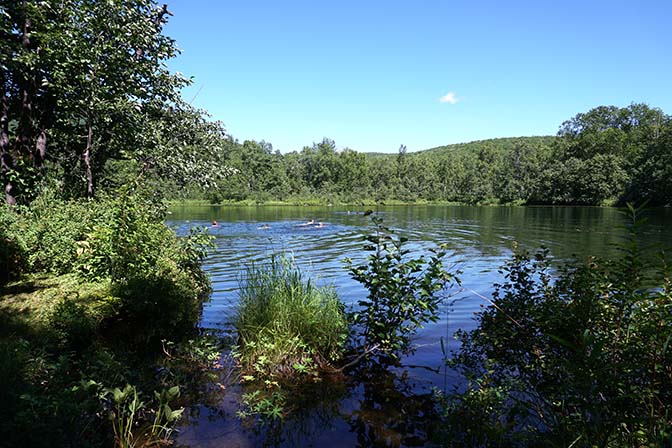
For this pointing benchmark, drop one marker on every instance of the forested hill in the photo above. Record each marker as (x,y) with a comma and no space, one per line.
(504,144)
(606,155)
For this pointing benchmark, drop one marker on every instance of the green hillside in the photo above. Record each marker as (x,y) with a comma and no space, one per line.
(504,144)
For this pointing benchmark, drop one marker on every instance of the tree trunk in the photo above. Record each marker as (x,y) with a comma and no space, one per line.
(6,162)
(25,130)
(86,157)
(40,152)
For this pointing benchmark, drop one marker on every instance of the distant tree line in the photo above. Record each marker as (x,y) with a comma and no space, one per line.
(606,155)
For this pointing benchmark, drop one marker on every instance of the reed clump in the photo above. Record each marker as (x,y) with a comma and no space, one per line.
(288,327)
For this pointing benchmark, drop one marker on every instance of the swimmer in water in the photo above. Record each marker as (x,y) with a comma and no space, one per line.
(309,223)
(320,225)
(264,227)
(215,224)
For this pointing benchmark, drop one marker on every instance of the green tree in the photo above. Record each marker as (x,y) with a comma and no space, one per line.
(83,82)
(517,177)
(603,151)
(352,176)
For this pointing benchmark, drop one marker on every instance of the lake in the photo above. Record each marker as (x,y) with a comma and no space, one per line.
(480,240)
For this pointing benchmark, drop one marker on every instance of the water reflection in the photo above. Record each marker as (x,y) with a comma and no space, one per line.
(373,407)
(392,410)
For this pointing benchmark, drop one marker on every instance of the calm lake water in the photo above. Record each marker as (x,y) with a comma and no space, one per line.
(480,239)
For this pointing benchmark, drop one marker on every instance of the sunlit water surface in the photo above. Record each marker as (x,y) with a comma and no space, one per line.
(480,240)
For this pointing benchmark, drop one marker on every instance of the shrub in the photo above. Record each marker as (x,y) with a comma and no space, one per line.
(52,231)
(128,278)
(156,274)
(581,359)
(403,293)
(71,324)
(12,252)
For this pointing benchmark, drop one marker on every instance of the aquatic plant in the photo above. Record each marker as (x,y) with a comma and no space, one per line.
(287,326)
(289,332)
(135,423)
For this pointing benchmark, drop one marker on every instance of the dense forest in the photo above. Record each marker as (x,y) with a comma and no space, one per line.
(604,156)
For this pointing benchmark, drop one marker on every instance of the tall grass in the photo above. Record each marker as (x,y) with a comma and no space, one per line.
(286,324)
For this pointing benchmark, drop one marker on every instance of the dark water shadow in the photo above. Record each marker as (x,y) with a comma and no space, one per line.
(372,407)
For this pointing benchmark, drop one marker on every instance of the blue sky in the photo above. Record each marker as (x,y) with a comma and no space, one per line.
(371,75)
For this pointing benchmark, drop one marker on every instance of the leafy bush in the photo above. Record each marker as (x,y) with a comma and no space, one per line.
(123,239)
(115,273)
(404,294)
(52,231)
(72,326)
(156,274)
(12,252)
(578,359)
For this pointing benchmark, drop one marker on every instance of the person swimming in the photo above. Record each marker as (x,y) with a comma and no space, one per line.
(309,223)
(264,227)
(215,224)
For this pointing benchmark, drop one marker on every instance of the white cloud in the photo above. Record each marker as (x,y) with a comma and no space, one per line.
(449,98)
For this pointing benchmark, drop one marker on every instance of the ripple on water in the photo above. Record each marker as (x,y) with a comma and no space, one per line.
(479,239)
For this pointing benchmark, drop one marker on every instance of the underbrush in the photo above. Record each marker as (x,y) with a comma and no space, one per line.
(91,288)
(121,240)
(577,357)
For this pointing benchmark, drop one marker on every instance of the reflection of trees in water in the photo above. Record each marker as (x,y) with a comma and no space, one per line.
(391,412)
(375,407)
(312,411)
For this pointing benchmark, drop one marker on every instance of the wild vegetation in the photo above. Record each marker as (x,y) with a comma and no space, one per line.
(92,281)
(98,286)
(287,324)
(291,332)
(403,294)
(99,300)
(574,357)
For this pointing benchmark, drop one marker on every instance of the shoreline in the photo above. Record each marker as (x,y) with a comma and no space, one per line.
(366,203)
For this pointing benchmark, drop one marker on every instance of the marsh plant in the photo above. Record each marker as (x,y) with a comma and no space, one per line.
(287,325)
(290,331)
(137,425)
